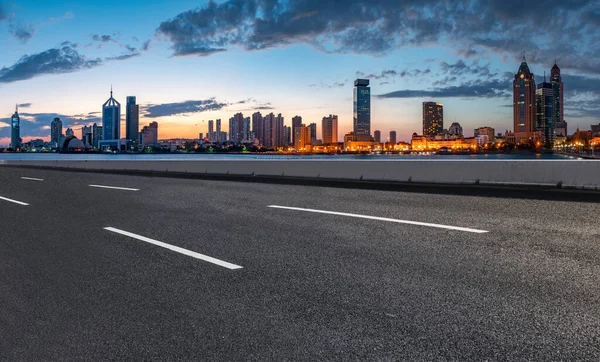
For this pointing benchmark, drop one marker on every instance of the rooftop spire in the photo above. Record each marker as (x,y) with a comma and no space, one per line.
(16,108)
(111,91)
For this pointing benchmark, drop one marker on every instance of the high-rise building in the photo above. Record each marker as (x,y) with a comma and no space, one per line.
(268,128)
(258,127)
(377,136)
(544,102)
(219,134)
(558,93)
(455,129)
(524,101)
(70,132)
(393,137)
(247,134)
(15,130)
(287,135)
(149,135)
(362,110)
(560,129)
(111,119)
(302,138)
(87,135)
(236,128)
(211,126)
(433,118)
(329,129)
(313,133)
(278,139)
(96,135)
(296,122)
(132,121)
(56,131)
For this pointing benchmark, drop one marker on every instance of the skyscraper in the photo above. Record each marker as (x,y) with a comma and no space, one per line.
(558,93)
(329,129)
(313,133)
(362,110)
(296,122)
(15,130)
(87,135)
(211,126)
(455,129)
(149,135)
(246,130)
(132,121)
(111,119)
(301,137)
(377,136)
(278,130)
(524,102)
(56,131)
(236,128)
(544,103)
(268,128)
(287,135)
(393,137)
(96,135)
(70,132)
(257,127)
(220,137)
(433,118)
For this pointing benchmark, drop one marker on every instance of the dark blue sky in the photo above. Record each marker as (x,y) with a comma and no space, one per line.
(191,61)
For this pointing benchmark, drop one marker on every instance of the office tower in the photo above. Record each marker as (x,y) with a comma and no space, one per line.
(329,129)
(96,135)
(433,118)
(485,131)
(219,134)
(268,128)
(558,93)
(296,122)
(200,136)
(132,121)
(524,101)
(211,126)
(15,130)
(56,131)
(257,127)
(278,139)
(236,128)
(70,132)
(247,134)
(393,137)
(362,110)
(377,136)
(301,137)
(455,129)
(313,133)
(544,102)
(87,135)
(111,119)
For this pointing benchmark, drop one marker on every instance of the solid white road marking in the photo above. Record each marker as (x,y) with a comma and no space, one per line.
(14,201)
(32,179)
(440,226)
(114,187)
(176,249)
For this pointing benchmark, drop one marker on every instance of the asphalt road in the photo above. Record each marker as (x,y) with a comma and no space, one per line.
(300,284)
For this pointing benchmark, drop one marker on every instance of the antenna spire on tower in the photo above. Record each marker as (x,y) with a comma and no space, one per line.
(111,90)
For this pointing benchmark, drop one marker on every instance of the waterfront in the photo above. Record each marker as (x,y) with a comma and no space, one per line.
(255,156)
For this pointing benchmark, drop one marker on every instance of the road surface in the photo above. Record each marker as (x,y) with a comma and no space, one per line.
(114,267)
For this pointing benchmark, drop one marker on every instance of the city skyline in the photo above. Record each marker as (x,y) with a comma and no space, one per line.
(295,77)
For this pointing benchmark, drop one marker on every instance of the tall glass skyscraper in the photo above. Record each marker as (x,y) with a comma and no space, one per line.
(362,110)
(558,90)
(544,102)
(56,131)
(132,121)
(524,100)
(111,119)
(15,127)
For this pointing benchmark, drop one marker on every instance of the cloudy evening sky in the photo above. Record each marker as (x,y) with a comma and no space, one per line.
(191,61)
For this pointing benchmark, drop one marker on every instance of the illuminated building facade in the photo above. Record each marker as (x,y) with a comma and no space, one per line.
(558,93)
(132,121)
(433,118)
(15,130)
(330,129)
(362,110)
(524,112)
(544,103)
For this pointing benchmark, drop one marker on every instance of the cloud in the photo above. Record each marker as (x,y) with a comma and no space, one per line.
(24,105)
(146,45)
(181,108)
(332,85)
(59,60)
(470,89)
(53,20)
(103,38)
(22,32)
(3,12)
(123,57)
(567,29)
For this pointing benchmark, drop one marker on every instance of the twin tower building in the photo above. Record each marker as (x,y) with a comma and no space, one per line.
(538,110)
